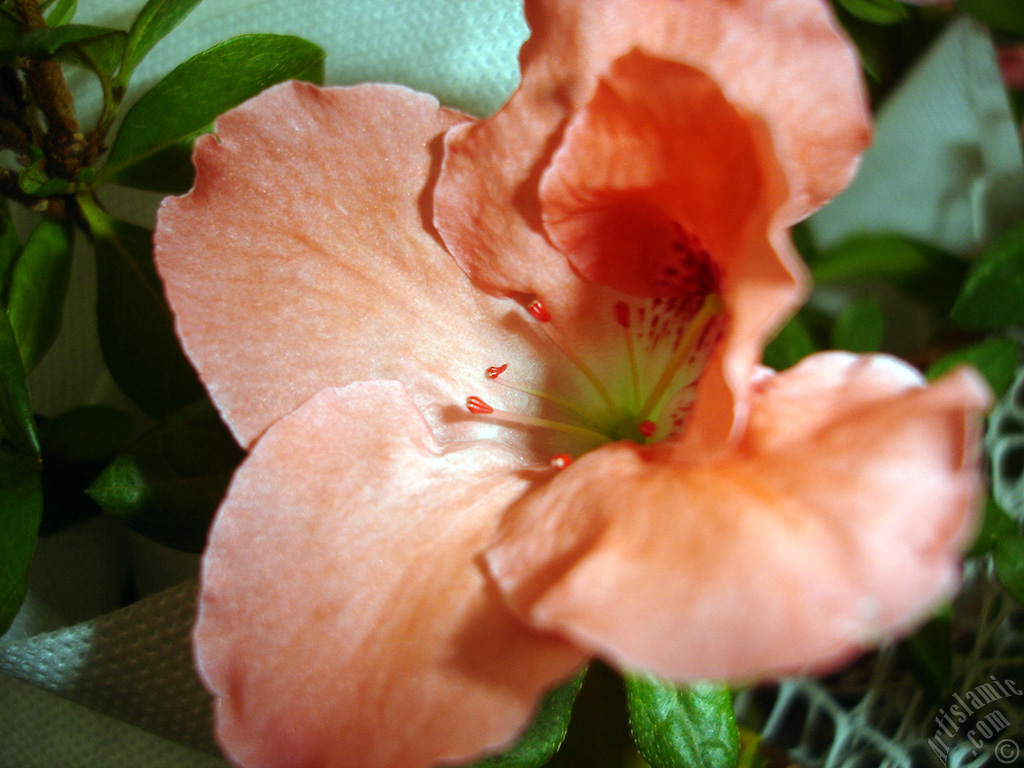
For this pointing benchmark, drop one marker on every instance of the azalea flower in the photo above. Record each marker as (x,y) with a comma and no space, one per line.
(499,381)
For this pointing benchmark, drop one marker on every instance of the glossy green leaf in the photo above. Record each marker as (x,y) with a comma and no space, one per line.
(21,508)
(185,103)
(859,328)
(156,19)
(927,273)
(544,736)
(692,727)
(996,359)
(60,12)
(10,246)
(1008,556)
(135,324)
(792,344)
(39,285)
(877,11)
(16,416)
(993,293)
(168,483)
(1002,15)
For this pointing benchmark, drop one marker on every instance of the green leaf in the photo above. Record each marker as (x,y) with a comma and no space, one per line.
(135,324)
(792,344)
(33,180)
(1009,561)
(15,407)
(859,328)
(85,434)
(995,525)
(62,12)
(693,727)
(77,445)
(49,41)
(1002,15)
(39,285)
(930,653)
(10,36)
(993,293)
(21,508)
(185,103)
(168,483)
(10,246)
(927,273)
(996,359)
(168,170)
(156,19)
(877,11)
(545,734)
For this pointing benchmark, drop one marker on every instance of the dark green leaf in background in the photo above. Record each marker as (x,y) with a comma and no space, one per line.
(135,325)
(1008,556)
(930,653)
(168,170)
(928,274)
(77,445)
(545,734)
(185,103)
(168,483)
(995,359)
(692,727)
(16,416)
(21,508)
(792,344)
(859,327)
(1001,15)
(10,35)
(993,293)
(877,11)
(39,285)
(995,525)
(101,51)
(10,246)
(156,19)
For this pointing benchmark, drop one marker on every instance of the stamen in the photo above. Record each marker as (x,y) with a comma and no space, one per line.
(711,307)
(622,316)
(560,461)
(540,312)
(494,374)
(476,405)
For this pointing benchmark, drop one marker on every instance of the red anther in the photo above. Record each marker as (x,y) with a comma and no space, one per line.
(560,461)
(539,311)
(622,314)
(476,405)
(647,428)
(496,370)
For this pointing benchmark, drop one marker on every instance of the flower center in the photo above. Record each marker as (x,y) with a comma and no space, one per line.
(666,342)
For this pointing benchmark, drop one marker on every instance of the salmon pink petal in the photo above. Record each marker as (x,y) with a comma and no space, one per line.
(662,188)
(784,61)
(818,535)
(344,619)
(303,258)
